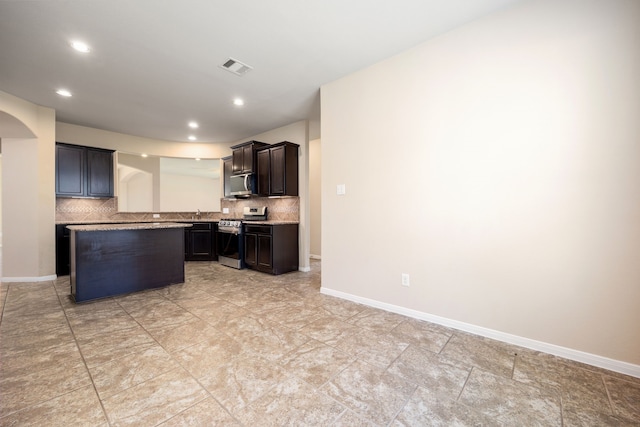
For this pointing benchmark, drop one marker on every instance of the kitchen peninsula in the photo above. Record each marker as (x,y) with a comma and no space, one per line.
(115,259)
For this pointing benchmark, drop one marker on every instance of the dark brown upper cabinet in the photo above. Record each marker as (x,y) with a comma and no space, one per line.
(244,157)
(277,169)
(83,171)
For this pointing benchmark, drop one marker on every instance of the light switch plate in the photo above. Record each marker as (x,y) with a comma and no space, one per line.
(156,215)
(341,189)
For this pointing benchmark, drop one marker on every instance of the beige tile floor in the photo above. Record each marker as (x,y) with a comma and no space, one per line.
(244,348)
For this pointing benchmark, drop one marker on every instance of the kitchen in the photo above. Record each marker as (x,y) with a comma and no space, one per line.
(256,170)
(521,224)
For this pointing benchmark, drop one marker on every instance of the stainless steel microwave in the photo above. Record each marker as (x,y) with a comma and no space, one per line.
(241,185)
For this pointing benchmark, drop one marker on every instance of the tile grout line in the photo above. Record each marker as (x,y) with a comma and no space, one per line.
(404,404)
(180,365)
(609,401)
(75,339)
(4,301)
(561,410)
(453,345)
(42,401)
(447,343)
(100,399)
(465,384)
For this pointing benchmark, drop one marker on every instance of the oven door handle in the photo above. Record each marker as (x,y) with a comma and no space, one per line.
(228,231)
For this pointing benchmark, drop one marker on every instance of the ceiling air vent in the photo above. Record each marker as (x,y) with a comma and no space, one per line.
(236,67)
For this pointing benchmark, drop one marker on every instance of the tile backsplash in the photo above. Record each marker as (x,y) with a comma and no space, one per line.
(92,210)
(278,208)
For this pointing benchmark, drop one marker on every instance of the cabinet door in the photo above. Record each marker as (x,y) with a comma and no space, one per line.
(201,244)
(187,244)
(264,253)
(237,161)
(242,158)
(70,170)
(283,170)
(247,158)
(263,171)
(251,250)
(278,171)
(63,259)
(99,173)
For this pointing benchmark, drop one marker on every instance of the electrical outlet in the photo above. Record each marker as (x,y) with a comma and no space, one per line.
(225,210)
(156,215)
(405,279)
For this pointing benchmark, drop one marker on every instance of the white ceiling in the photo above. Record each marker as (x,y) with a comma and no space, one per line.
(154,64)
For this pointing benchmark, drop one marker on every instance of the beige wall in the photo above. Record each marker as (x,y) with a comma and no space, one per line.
(80,135)
(315,205)
(499,166)
(28,193)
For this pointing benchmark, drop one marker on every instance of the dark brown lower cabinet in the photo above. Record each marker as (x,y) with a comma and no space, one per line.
(62,250)
(199,245)
(116,262)
(271,248)
(200,242)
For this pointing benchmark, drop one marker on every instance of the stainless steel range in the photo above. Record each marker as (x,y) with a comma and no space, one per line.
(231,243)
(231,236)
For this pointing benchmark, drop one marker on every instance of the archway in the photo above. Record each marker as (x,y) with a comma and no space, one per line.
(27,196)
(10,127)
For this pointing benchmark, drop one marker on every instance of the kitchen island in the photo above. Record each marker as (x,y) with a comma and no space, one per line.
(115,259)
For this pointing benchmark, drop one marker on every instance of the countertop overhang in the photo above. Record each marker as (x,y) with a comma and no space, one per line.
(128,226)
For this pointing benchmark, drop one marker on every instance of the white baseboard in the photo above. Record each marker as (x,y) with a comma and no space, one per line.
(29,279)
(308,268)
(567,353)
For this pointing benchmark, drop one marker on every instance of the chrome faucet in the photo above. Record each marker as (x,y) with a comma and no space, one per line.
(198,214)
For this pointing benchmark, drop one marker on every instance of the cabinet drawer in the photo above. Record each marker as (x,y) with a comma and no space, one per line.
(257,229)
(201,226)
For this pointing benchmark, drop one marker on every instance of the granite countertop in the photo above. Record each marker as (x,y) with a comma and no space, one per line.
(165,221)
(127,226)
(134,221)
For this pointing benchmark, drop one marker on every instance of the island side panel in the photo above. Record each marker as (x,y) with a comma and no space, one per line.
(117,262)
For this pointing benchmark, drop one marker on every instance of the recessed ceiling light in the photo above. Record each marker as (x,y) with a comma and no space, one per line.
(63,92)
(80,46)
(192,138)
(193,125)
(197,159)
(238,102)
(144,155)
